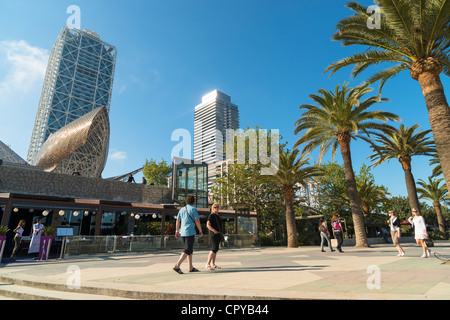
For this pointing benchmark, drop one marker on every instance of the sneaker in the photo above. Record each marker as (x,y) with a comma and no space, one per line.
(428,253)
(424,256)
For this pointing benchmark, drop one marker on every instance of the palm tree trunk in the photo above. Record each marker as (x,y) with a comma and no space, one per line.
(410,183)
(441,221)
(291,226)
(438,112)
(355,206)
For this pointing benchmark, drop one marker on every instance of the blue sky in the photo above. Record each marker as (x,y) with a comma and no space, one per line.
(268,55)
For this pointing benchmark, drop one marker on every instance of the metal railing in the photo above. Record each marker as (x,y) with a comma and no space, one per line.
(78,245)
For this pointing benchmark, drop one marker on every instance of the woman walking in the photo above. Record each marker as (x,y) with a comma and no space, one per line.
(215,227)
(420,231)
(324,235)
(394,224)
(17,238)
(337,232)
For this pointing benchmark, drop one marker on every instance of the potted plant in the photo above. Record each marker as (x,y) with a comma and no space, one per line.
(46,242)
(48,231)
(3,231)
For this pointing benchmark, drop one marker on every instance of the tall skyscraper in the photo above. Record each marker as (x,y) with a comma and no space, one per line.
(212,118)
(79,79)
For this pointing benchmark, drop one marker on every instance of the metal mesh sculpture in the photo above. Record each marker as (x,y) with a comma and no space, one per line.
(82,144)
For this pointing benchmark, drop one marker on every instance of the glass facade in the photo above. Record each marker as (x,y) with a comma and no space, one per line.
(190,179)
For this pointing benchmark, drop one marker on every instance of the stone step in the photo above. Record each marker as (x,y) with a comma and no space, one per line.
(20,292)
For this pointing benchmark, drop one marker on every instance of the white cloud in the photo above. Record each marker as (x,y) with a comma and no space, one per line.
(22,72)
(24,66)
(122,89)
(118,155)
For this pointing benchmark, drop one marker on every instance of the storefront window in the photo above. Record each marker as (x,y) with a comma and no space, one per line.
(247,225)
(107,226)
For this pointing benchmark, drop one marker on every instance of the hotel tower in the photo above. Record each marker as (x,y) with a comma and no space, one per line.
(79,79)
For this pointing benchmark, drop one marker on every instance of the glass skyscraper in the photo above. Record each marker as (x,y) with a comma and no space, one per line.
(79,79)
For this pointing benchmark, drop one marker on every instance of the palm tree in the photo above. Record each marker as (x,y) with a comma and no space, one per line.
(370,195)
(292,171)
(414,36)
(403,144)
(435,192)
(437,170)
(337,120)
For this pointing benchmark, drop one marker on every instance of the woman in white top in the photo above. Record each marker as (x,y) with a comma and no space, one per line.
(420,231)
(18,238)
(38,228)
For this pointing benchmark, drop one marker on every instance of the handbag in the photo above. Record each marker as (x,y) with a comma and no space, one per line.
(429,242)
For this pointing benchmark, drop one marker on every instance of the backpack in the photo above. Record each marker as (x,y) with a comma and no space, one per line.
(336,225)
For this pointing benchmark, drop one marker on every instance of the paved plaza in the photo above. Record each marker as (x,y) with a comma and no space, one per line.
(252,273)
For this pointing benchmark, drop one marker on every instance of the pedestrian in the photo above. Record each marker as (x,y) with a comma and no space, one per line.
(187,219)
(337,232)
(75,172)
(144,181)
(420,231)
(131,179)
(38,229)
(215,227)
(324,234)
(394,224)
(18,238)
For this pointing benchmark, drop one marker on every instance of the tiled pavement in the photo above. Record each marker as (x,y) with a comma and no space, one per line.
(252,273)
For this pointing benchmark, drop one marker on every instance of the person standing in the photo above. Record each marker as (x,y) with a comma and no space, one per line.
(215,227)
(18,238)
(420,231)
(187,219)
(324,234)
(337,232)
(394,224)
(38,229)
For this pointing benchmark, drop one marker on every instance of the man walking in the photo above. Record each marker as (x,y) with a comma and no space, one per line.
(187,219)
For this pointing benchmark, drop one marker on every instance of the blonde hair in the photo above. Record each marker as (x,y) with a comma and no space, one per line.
(214,204)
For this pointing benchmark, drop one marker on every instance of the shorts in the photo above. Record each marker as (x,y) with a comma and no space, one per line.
(394,236)
(188,244)
(215,242)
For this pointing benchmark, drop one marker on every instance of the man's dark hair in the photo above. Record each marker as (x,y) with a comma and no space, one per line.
(190,200)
